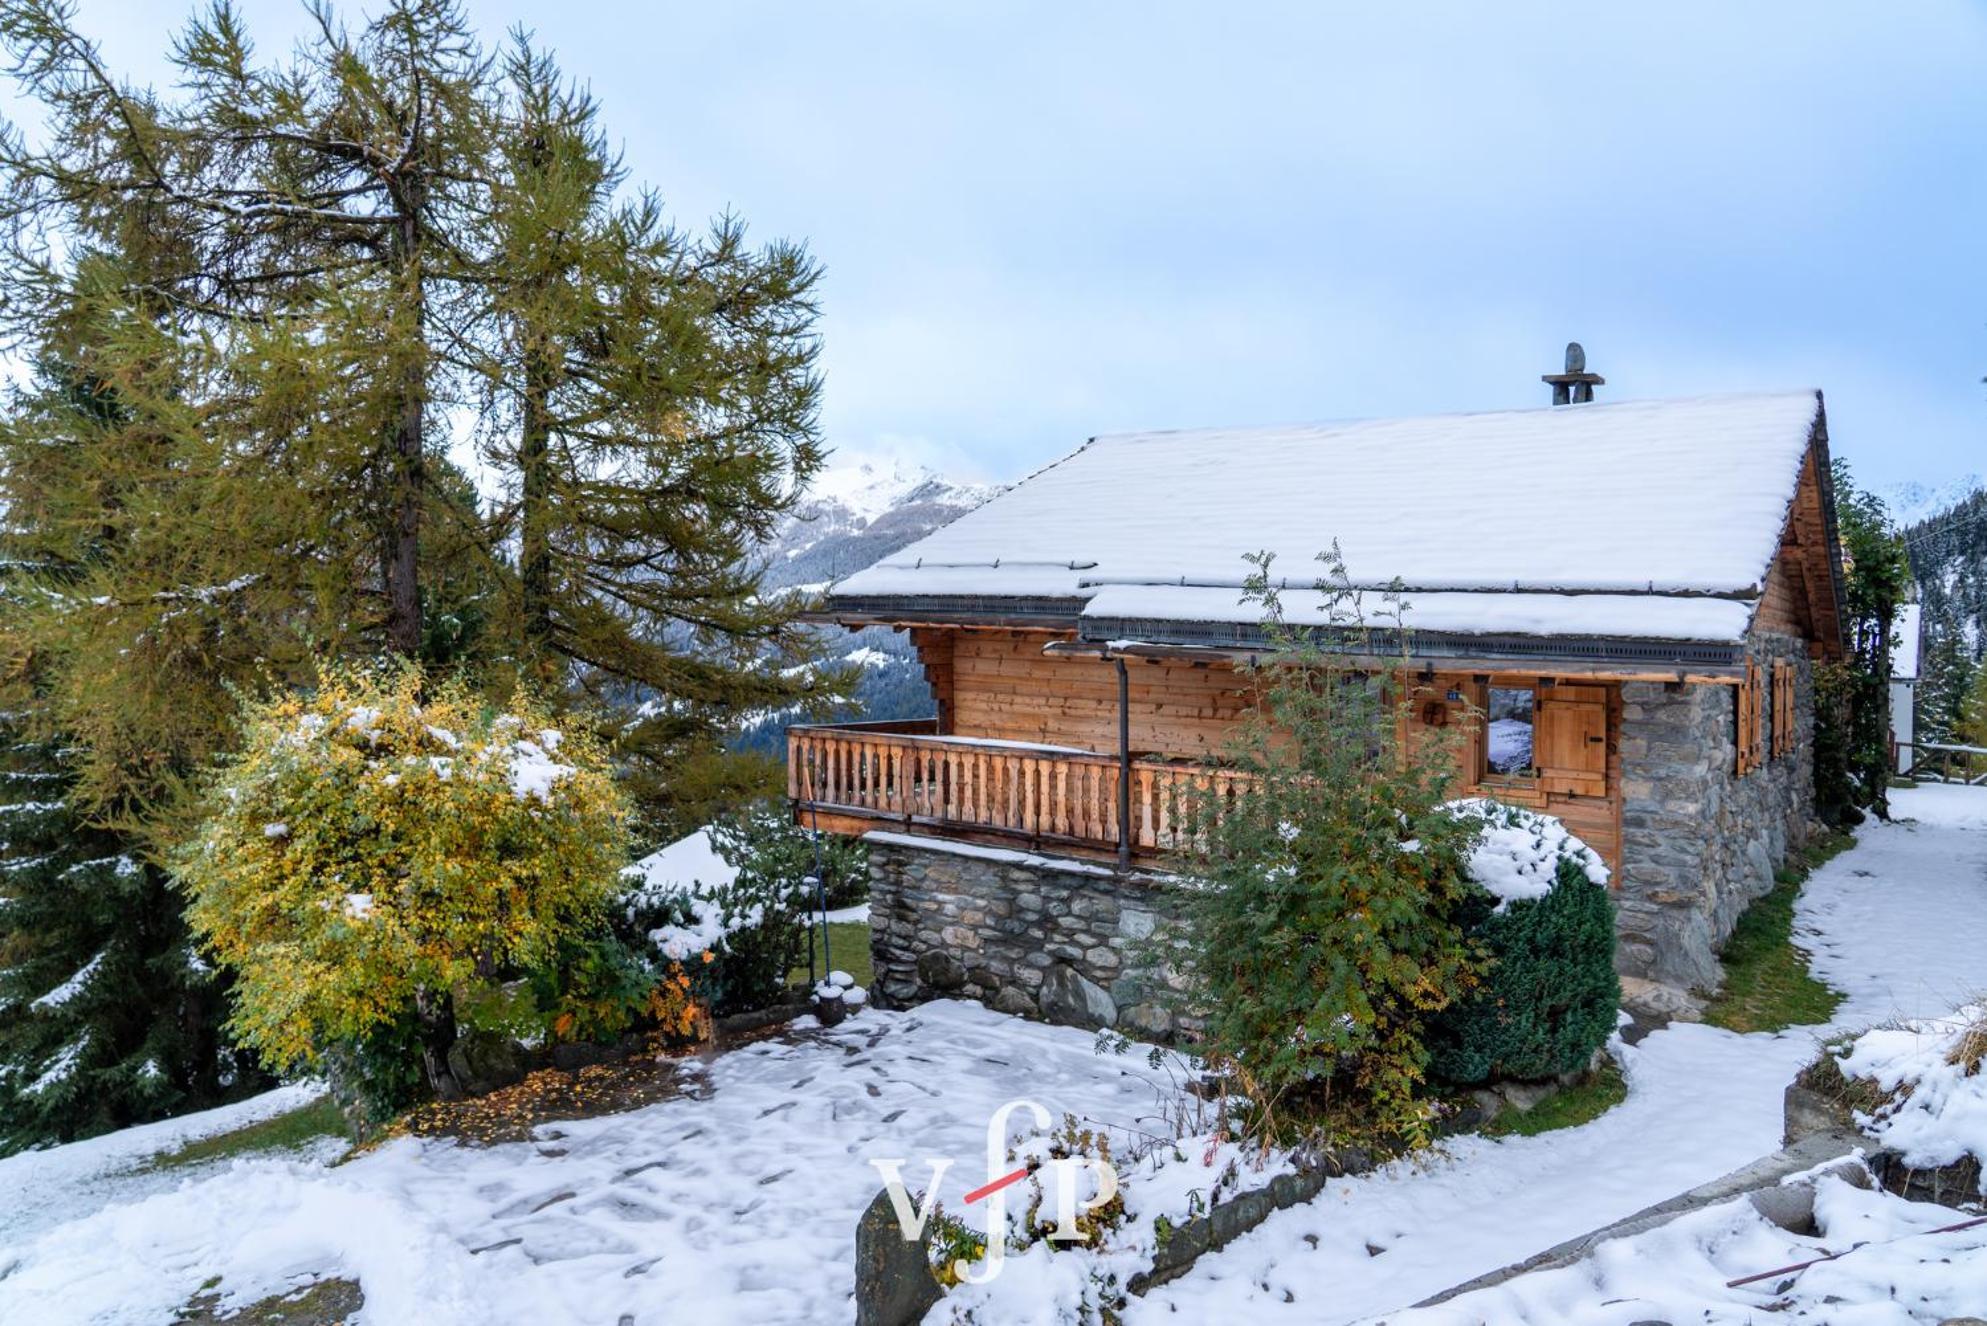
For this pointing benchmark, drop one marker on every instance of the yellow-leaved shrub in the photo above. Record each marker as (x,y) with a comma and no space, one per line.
(383,840)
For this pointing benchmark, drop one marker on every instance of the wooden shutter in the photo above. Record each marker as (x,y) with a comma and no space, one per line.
(1748,737)
(1570,741)
(1783,708)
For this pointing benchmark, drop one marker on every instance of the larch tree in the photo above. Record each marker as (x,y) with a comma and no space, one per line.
(299,283)
(650,401)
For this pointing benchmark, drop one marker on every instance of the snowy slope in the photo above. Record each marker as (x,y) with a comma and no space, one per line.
(862,508)
(859,510)
(1912,501)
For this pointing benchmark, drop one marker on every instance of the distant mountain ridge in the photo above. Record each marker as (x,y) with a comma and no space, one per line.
(860,511)
(855,514)
(1912,503)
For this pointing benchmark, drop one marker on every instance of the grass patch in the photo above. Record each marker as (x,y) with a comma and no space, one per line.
(1768,986)
(318,1119)
(848,941)
(1603,1089)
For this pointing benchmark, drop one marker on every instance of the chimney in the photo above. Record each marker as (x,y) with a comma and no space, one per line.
(1576,385)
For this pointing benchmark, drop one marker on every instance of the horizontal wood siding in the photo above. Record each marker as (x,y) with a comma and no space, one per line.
(1004,686)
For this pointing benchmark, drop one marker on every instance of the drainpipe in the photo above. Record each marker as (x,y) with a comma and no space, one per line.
(1124,767)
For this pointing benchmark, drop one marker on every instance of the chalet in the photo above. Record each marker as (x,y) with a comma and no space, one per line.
(1633,594)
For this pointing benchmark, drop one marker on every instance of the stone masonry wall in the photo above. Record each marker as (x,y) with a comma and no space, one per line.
(1040,936)
(1699,842)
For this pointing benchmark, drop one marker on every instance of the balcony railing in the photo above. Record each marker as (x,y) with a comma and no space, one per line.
(907,775)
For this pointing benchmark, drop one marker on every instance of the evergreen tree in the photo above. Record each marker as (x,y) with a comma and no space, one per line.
(1852,698)
(107,1016)
(652,401)
(1946,674)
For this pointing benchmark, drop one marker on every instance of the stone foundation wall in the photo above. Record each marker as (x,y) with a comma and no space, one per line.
(1040,936)
(1698,842)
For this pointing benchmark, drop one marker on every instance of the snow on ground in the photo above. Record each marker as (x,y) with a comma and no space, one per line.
(735,1203)
(1902,1274)
(738,1202)
(47,1187)
(1898,924)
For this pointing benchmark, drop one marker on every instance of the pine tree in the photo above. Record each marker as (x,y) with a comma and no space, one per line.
(107,1016)
(1852,709)
(1946,673)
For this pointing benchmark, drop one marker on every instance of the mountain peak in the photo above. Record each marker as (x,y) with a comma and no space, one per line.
(859,509)
(1911,502)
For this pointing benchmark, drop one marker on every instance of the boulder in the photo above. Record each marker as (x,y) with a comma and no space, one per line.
(894,1282)
(940,970)
(1013,999)
(484,1061)
(1071,998)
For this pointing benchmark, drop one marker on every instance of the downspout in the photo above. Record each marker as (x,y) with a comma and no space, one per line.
(1124,767)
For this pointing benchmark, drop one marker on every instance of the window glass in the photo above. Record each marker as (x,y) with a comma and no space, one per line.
(1508,734)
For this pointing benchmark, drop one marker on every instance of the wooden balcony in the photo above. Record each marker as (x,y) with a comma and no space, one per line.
(857,776)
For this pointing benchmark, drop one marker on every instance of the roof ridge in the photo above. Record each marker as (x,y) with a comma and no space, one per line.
(1328,425)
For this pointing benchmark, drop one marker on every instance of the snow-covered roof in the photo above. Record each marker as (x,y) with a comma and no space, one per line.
(1581,518)
(1904,654)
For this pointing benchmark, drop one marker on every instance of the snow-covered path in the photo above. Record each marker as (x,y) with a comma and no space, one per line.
(1898,923)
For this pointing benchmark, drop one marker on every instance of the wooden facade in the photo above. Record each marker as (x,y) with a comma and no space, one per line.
(1026,748)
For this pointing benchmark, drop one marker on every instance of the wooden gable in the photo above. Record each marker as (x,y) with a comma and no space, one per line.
(1802,596)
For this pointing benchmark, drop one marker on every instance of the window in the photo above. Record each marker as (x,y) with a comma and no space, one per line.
(1508,728)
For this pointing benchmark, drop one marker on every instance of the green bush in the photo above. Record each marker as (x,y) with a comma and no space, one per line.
(755,928)
(1550,995)
(1325,926)
(386,847)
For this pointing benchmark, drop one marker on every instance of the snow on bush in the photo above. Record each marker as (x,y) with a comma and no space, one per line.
(1549,997)
(735,895)
(428,840)
(1930,1073)
(1517,854)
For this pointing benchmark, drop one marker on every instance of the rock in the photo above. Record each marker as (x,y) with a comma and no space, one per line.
(1072,998)
(1653,1004)
(1524,1097)
(1153,1021)
(1806,1111)
(320,1303)
(1013,999)
(1943,1185)
(894,1283)
(484,1061)
(940,970)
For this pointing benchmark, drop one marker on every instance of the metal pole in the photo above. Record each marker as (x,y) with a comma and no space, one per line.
(1124,767)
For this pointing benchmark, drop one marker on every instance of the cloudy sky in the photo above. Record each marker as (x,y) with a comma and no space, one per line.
(1046,221)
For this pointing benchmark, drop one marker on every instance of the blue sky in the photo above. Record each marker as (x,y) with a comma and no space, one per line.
(1046,221)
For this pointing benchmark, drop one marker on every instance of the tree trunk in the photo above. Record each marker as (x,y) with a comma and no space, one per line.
(535,518)
(402,570)
(436,1013)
